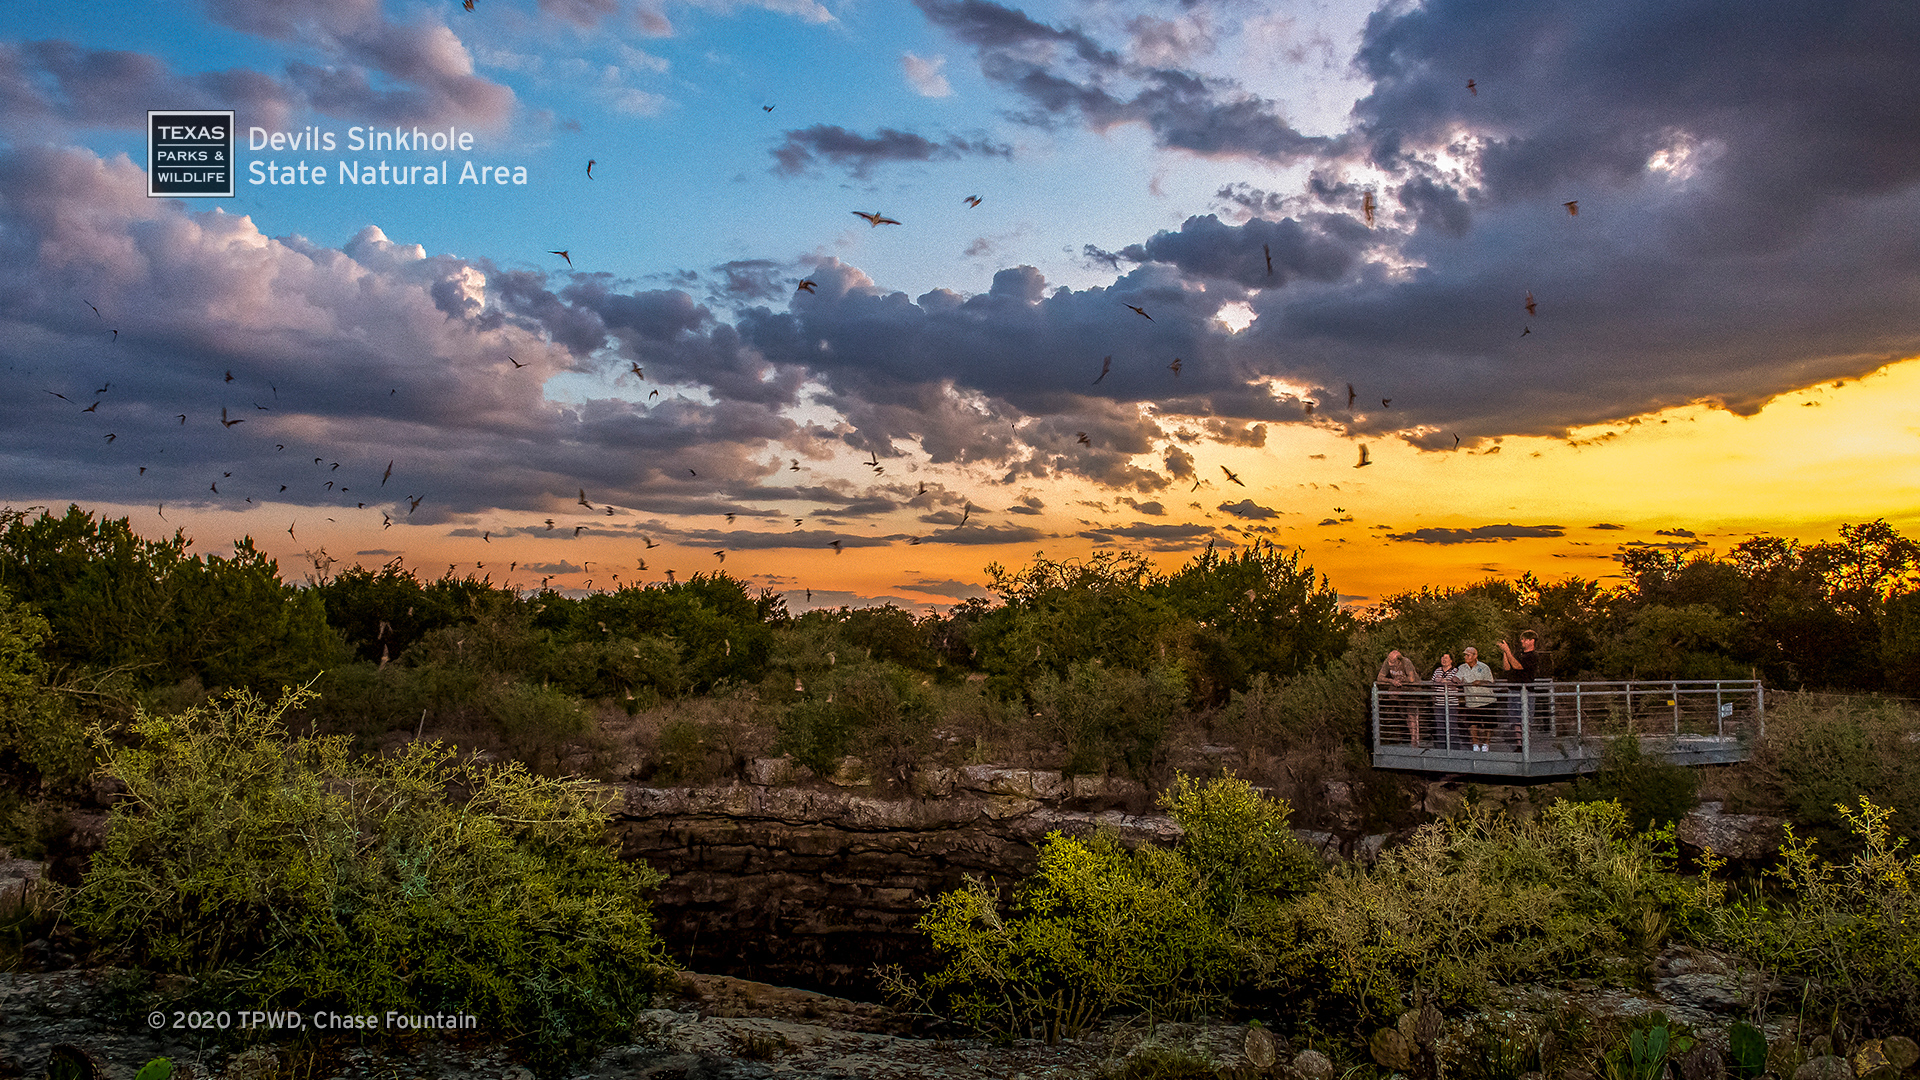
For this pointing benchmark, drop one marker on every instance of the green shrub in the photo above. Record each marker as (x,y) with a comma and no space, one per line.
(1822,753)
(1096,929)
(1843,935)
(1478,902)
(536,721)
(1099,928)
(284,872)
(1653,791)
(1109,719)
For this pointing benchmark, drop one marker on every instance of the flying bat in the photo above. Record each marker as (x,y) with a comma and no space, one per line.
(972,201)
(227,422)
(1231,476)
(1573,208)
(589,168)
(1268,251)
(1175,367)
(1350,395)
(1141,312)
(805,286)
(1364,459)
(387,475)
(565,256)
(515,363)
(1530,303)
(1366,206)
(875,219)
(1105,366)
(1472,89)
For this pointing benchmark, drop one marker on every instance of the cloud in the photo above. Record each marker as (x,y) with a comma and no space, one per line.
(1478,535)
(1684,534)
(1606,525)
(1247,508)
(858,154)
(924,75)
(959,590)
(1066,75)
(425,75)
(47,87)
(1154,537)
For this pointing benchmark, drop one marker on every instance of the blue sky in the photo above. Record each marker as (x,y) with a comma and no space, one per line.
(1718,341)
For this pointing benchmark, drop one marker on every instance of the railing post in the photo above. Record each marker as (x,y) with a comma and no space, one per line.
(1526,723)
(1719,718)
(1760,706)
(1374,691)
(1674,689)
(1579,715)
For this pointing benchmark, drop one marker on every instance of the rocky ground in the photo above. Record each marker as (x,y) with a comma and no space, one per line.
(719,1028)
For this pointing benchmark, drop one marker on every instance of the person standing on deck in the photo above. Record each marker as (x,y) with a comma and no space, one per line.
(1396,676)
(1520,670)
(1476,681)
(1443,682)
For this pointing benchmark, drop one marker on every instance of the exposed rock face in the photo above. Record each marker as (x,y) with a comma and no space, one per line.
(1739,837)
(813,887)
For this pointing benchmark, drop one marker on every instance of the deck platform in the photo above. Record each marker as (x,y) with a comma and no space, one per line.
(1556,729)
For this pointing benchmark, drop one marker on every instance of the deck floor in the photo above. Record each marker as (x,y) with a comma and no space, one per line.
(1558,756)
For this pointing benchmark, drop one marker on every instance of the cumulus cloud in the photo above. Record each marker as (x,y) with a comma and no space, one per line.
(924,75)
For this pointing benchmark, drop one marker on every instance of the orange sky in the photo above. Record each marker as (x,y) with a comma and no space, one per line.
(1805,464)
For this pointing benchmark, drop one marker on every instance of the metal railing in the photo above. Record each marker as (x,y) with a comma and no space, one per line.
(1546,728)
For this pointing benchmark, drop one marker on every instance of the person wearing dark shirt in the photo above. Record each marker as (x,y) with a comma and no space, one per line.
(1519,669)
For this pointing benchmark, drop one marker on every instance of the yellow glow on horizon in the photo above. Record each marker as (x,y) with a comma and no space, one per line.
(1800,467)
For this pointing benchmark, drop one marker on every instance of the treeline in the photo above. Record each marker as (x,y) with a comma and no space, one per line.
(1092,663)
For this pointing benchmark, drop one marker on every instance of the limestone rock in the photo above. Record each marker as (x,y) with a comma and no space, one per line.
(1016,783)
(1739,837)
(851,772)
(1825,1067)
(1368,849)
(1702,1062)
(17,877)
(1903,1053)
(1312,1065)
(1260,1048)
(768,771)
(1324,844)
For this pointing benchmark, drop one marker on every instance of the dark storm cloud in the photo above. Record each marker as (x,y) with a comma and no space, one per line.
(1477,535)
(1154,537)
(1323,250)
(1064,74)
(858,154)
(973,535)
(1606,525)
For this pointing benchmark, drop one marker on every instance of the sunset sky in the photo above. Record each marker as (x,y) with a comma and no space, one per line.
(1722,343)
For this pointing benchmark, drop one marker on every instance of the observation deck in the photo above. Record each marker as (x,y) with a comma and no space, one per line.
(1556,729)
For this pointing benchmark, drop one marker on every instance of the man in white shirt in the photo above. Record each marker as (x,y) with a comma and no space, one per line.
(1476,683)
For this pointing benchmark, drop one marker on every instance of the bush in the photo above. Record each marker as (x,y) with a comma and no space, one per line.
(1478,902)
(1821,753)
(285,871)
(1653,791)
(1110,719)
(1099,928)
(1096,929)
(1843,935)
